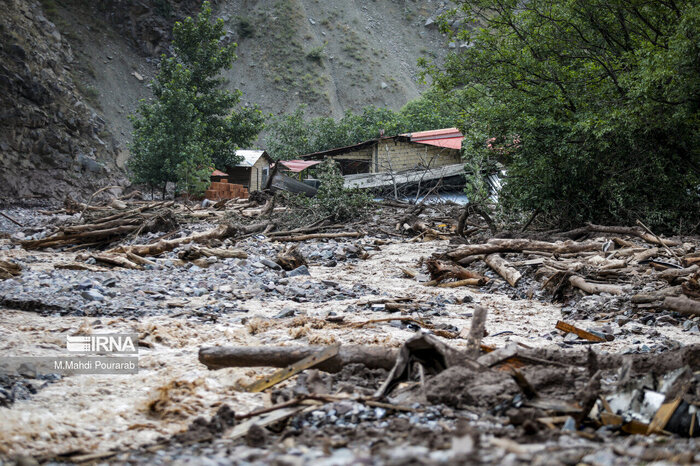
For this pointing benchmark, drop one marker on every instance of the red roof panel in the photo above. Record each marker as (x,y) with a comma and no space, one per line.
(450,138)
(218,173)
(297,166)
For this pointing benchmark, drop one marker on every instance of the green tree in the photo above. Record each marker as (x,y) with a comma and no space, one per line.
(592,105)
(193,122)
(293,135)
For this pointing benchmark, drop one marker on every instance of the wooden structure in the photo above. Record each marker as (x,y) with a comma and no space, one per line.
(252,172)
(405,152)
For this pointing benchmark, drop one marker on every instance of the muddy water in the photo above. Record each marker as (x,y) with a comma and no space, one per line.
(103,412)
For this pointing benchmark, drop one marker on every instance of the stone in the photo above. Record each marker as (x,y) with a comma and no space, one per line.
(272,265)
(92,295)
(299,271)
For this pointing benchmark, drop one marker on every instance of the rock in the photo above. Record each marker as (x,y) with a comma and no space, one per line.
(384,85)
(269,263)
(256,436)
(299,271)
(286,313)
(225,289)
(137,75)
(92,295)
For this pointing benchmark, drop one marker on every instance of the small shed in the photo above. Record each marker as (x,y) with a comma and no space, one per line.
(252,171)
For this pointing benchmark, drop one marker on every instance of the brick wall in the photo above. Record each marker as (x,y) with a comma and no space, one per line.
(399,156)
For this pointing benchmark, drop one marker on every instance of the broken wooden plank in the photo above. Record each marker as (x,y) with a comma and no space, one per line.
(293,369)
(568,328)
(498,356)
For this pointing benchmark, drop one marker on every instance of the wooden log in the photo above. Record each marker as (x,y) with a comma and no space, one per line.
(9,269)
(594,288)
(348,234)
(465,282)
(119,261)
(497,245)
(221,232)
(691,259)
(646,254)
(503,268)
(138,259)
(440,271)
(658,295)
(373,357)
(632,231)
(672,274)
(682,305)
(476,332)
(84,237)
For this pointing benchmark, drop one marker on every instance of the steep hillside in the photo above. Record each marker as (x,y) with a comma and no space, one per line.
(332,55)
(51,142)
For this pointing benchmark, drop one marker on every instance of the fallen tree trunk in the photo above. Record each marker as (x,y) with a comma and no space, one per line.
(373,357)
(594,288)
(683,305)
(497,245)
(672,274)
(617,230)
(221,232)
(503,268)
(351,234)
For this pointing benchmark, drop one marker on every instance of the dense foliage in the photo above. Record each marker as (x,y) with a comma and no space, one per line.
(592,105)
(193,123)
(333,201)
(293,135)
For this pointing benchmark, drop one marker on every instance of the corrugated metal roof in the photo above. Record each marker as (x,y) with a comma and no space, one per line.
(297,166)
(218,173)
(450,138)
(249,157)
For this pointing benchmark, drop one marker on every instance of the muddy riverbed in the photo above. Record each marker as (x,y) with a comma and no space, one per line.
(175,310)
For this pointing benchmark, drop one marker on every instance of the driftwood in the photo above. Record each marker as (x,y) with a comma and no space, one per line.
(440,271)
(221,232)
(503,268)
(192,252)
(291,258)
(9,269)
(682,305)
(348,234)
(497,245)
(465,282)
(594,288)
(476,332)
(672,274)
(374,357)
(617,230)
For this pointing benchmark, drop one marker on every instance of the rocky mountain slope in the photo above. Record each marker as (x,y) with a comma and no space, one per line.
(72,71)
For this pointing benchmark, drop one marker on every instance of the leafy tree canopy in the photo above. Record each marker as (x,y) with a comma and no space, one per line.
(293,135)
(193,123)
(593,105)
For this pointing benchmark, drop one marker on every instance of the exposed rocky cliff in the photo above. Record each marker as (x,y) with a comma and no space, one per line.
(51,142)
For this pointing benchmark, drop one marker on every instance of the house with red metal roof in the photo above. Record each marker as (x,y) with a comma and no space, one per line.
(405,152)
